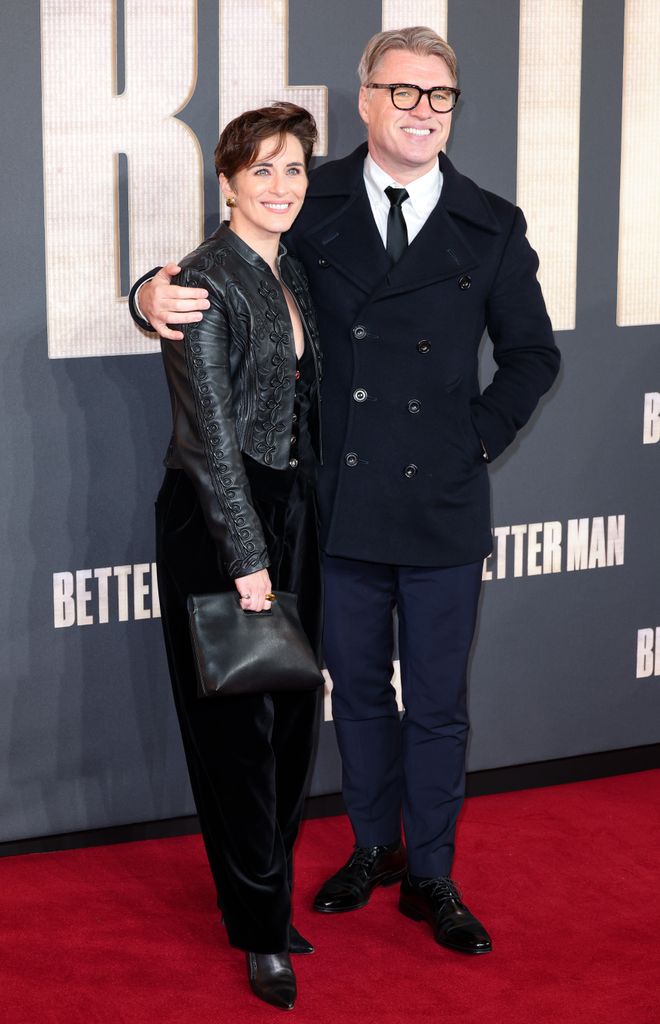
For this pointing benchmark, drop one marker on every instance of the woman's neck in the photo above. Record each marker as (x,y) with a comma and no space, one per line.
(266,246)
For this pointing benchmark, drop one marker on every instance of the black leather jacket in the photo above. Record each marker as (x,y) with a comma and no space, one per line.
(232,386)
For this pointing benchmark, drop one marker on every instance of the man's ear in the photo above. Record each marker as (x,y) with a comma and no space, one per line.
(363,103)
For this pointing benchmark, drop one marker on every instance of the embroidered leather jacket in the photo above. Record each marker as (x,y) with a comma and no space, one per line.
(232,386)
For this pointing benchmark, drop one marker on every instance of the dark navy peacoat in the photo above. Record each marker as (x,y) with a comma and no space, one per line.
(406,430)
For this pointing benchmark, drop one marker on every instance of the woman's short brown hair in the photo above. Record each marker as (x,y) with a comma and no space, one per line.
(240,140)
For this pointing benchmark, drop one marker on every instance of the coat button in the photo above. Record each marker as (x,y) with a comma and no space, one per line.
(294,439)
(410,471)
(351,459)
(360,395)
(323,262)
(423,346)
(359,332)
(293,463)
(464,282)
(414,405)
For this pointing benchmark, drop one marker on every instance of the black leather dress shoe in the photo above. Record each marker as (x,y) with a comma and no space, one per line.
(272,979)
(438,901)
(367,867)
(298,943)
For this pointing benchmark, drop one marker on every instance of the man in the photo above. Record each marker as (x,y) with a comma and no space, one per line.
(409,262)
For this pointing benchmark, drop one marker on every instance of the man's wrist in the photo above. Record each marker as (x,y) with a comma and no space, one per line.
(136,300)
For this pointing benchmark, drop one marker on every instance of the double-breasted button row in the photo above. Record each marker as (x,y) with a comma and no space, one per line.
(360,332)
(352,460)
(361,394)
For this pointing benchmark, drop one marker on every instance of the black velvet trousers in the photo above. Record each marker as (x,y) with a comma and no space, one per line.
(248,757)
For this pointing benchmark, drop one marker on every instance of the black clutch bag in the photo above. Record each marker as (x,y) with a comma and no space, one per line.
(239,652)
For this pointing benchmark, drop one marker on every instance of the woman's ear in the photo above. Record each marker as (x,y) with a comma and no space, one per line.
(227,190)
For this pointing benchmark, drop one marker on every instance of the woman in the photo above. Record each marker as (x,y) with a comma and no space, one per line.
(237,510)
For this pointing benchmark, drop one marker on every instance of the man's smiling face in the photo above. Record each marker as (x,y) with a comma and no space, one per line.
(405,143)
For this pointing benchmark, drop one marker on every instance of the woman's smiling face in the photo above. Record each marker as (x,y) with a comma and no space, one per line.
(269,193)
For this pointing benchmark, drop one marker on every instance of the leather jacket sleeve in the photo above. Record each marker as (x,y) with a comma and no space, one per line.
(199,378)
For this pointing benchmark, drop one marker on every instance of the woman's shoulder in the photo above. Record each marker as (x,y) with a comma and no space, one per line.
(211,261)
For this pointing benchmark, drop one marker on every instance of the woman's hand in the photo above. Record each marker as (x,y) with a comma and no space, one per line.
(253,590)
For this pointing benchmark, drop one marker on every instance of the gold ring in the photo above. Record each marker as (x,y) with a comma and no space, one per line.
(270,597)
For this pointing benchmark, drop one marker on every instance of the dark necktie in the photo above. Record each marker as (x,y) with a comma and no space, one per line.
(397,233)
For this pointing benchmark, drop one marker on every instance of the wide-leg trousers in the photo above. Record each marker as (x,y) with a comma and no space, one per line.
(248,756)
(414,766)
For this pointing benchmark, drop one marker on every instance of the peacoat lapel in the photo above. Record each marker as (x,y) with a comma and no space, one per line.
(347,236)
(441,249)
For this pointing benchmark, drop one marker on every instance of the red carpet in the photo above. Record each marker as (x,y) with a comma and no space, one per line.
(566,878)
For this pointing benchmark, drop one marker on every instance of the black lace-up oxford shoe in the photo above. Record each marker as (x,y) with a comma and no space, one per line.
(438,901)
(272,979)
(367,867)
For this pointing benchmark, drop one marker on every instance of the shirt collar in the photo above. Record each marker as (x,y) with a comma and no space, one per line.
(423,192)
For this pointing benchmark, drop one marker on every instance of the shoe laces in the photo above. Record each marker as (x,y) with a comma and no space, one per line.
(441,889)
(363,858)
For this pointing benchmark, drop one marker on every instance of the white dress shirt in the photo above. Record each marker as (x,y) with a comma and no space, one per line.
(423,195)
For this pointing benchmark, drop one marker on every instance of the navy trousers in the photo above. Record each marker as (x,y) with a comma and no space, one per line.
(414,766)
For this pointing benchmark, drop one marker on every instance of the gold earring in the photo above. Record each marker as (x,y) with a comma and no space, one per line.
(230,201)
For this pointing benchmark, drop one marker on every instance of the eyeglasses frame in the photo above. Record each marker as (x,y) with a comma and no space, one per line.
(422,92)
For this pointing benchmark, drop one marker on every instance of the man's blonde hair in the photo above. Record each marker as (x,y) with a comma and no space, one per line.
(422,41)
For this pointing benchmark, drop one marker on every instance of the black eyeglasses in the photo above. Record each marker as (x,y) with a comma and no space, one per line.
(442,98)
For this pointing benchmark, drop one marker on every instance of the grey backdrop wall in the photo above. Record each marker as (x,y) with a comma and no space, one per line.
(560,109)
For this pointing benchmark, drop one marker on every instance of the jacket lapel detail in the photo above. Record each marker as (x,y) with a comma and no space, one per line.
(438,252)
(335,241)
(348,237)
